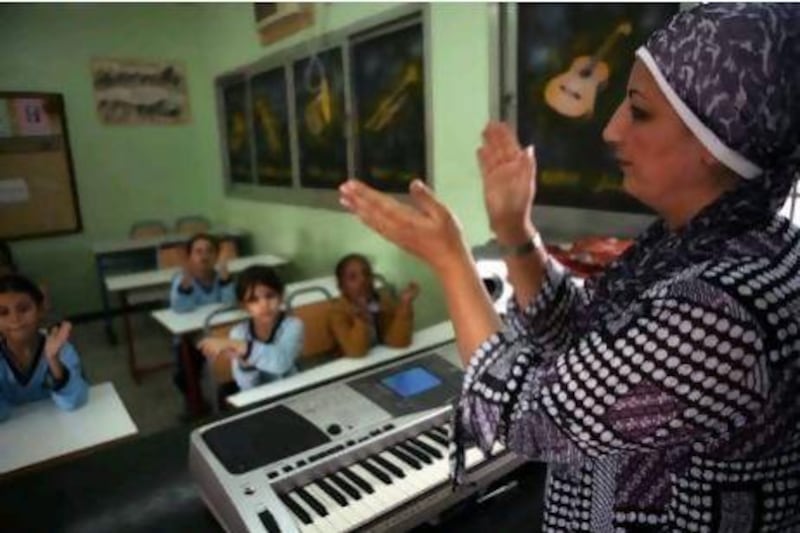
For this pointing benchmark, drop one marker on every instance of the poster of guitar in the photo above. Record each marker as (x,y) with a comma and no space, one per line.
(573,62)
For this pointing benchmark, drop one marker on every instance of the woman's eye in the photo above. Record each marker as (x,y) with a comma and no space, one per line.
(638,113)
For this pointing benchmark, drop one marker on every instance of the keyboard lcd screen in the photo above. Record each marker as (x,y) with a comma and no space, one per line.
(411,382)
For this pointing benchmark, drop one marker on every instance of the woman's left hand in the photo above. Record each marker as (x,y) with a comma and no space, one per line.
(428,230)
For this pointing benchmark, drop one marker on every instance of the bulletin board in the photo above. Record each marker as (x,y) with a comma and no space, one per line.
(38,197)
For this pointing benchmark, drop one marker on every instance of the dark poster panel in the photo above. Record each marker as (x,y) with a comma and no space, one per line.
(319,99)
(389,82)
(237,139)
(573,62)
(271,128)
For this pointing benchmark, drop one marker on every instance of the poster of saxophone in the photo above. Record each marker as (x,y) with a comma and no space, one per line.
(573,62)
(320,119)
(140,92)
(270,108)
(389,85)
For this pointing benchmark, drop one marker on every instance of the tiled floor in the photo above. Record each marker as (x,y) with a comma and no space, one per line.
(155,403)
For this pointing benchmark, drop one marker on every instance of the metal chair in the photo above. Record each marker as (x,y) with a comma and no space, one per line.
(145,229)
(192,224)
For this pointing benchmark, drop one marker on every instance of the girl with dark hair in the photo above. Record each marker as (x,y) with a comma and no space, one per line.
(264,348)
(364,316)
(34,364)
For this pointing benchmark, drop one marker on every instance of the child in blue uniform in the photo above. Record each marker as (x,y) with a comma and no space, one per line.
(34,364)
(201,282)
(264,348)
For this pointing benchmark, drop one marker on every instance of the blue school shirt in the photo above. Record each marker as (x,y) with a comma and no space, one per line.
(183,301)
(267,359)
(17,388)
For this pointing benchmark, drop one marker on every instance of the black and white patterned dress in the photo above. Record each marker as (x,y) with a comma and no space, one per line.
(681,413)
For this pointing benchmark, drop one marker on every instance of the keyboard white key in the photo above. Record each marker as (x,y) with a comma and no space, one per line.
(339,521)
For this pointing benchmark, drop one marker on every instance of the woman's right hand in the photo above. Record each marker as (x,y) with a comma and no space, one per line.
(509,183)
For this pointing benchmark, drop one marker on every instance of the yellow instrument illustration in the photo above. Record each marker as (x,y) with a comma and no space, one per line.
(319,110)
(269,125)
(237,134)
(390,104)
(573,93)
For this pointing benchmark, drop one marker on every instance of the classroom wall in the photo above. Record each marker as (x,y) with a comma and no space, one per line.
(123,173)
(460,81)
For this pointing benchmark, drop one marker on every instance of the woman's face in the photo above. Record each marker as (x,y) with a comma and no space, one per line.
(19,316)
(356,282)
(263,303)
(663,164)
(202,257)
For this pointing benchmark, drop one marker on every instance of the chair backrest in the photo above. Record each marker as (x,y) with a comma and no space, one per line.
(190,225)
(172,255)
(318,339)
(147,228)
(228,249)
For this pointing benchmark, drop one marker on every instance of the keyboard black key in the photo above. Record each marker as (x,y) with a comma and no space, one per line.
(416,452)
(268,521)
(406,458)
(357,480)
(438,438)
(389,467)
(430,450)
(377,472)
(345,486)
(298,511)
(441,432)
(312,502)
(332,492)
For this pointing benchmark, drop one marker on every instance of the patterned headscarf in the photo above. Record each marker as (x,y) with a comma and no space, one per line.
(732,74)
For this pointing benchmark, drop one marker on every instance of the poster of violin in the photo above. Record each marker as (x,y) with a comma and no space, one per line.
(388,78)
(573,62)
(320,118)
(270,116)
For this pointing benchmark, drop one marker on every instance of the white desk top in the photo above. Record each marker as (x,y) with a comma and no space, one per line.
(424,338)
(40,431)
(163,276)
(183,323)
(125,245)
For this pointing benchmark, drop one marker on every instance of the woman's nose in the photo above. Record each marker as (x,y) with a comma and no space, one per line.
(614,130)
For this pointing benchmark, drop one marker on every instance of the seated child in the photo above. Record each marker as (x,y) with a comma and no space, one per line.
(201,282)
(34,364)
(264,348)
(363,317)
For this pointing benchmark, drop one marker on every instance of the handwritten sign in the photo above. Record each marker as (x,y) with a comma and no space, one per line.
(140,92)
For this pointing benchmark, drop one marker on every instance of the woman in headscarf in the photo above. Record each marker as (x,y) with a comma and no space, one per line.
(665,393)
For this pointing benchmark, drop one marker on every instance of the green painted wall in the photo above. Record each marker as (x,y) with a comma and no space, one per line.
(129,173)
(123,173)
(460,81)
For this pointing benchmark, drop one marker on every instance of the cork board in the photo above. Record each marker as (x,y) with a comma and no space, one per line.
(38,197)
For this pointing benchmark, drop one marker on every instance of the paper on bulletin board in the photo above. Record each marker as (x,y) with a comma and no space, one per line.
(31,116)
(5,119)
(14,191)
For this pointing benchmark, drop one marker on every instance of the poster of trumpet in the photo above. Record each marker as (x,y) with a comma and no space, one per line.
(573,62)
(140,92)
(270,108)
(320,119)
(389,81)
